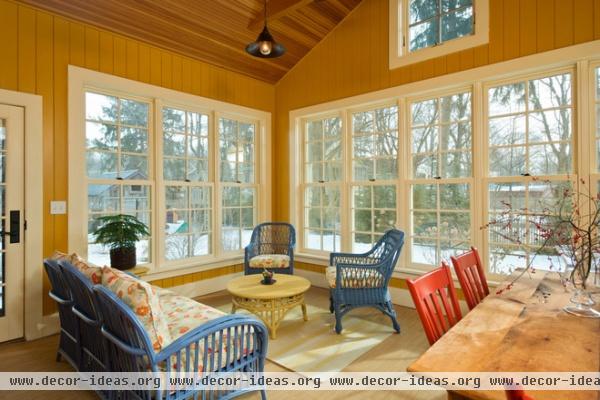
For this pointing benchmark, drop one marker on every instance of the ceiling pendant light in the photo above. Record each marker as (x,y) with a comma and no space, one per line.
(265,46)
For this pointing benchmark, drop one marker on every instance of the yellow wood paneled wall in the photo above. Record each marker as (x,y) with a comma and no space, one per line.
(35,49)
(353,59)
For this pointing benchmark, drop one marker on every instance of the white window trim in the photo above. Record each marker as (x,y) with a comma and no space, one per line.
(80,80)
(399,55)
(583,57)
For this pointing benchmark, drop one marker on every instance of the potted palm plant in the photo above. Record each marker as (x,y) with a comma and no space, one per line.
(120,233)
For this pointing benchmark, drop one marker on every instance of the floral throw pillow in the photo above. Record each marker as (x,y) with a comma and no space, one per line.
(141,297)
(91,271)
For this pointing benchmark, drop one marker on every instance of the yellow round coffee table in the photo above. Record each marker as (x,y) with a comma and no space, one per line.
(270,303)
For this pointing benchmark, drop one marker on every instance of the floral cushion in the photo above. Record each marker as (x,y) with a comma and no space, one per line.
(270,261)
(355,278)
(91,271)
(183,315)
(142,298)
(60,256)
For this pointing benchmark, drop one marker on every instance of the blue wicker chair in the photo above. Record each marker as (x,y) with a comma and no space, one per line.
(129,349)
(92,358)
(68,347)
(271,240)
(361,280)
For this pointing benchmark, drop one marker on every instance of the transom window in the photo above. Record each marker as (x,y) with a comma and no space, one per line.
(420,30)
(432,22)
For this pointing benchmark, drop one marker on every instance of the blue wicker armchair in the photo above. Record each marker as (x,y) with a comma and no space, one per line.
(361,280)
(241,342)
(271,247)
(69,343)
(92,356)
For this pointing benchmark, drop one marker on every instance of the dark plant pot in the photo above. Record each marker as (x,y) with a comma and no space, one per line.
(123,258)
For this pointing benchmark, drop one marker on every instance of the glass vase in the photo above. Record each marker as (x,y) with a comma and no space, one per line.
(582,304)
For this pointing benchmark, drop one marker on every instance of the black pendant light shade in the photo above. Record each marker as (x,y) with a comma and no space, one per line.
(265,46)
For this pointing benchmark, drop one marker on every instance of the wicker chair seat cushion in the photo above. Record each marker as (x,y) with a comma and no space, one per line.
(355,278)
(91,271)
(143,300)
(270,261)
(184,314)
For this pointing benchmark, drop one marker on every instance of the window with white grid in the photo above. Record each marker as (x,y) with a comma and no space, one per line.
(530,161)
(118,159)
(322,184)
(440,202)
(237,144)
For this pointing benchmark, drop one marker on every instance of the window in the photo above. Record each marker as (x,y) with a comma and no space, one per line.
(185,145)
(375,169)
(529,134)
(596,126)
(433,22)
(375,144)
(238,192)
(117,152)
(373,212)
(442,158)
(530,127)
(425,29)
(188,167)
(188,195)
(441,146)
(322,175)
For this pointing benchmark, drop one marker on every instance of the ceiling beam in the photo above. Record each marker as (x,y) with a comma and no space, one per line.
(275,10)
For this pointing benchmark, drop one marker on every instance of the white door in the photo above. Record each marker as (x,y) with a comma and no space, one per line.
(12,192)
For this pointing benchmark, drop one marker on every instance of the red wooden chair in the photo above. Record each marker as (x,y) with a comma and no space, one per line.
(469,271)
(517,394)
(436,302)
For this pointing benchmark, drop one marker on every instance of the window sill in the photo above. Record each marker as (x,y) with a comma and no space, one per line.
(174,271)
(452,46)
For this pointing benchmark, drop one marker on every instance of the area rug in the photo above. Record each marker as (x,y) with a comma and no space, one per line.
(313,346)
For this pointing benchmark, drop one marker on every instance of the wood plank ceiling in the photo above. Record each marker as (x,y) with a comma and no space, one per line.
(214,31)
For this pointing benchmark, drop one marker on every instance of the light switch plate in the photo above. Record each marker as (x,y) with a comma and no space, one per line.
(58,207)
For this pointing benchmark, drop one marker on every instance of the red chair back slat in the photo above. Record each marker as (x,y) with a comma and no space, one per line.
(469,271)
(436,302)
(517,394)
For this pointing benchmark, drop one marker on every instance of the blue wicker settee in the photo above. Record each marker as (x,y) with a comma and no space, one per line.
(112,321)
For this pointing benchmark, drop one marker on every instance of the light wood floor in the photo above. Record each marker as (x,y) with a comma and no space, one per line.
(393,354)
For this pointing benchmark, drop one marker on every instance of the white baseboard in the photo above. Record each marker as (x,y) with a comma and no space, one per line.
(49,325)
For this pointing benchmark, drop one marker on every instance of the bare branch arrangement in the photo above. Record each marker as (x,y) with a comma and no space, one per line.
(562,227)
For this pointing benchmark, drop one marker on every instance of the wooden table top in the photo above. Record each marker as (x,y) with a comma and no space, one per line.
(522,330)
(249,286)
